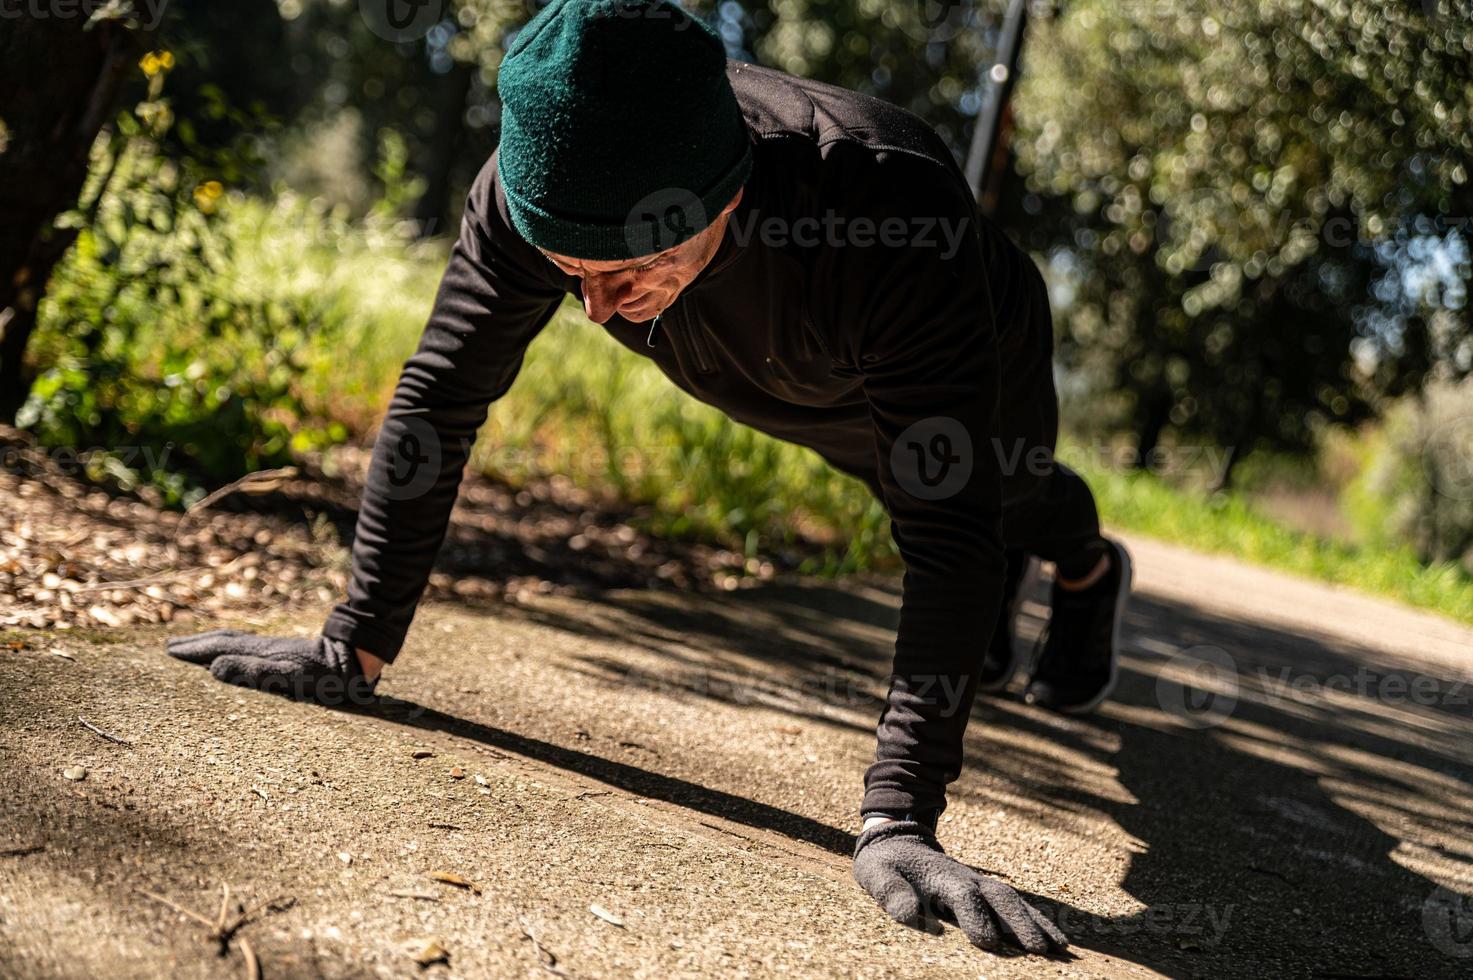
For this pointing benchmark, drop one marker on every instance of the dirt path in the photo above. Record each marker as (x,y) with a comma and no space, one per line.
(691,765)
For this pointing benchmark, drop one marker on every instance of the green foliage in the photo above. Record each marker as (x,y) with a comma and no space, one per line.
(180,338)
(1225,185)
(160,359)
(1418,485)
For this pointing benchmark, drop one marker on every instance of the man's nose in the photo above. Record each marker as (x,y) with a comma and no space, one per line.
(602,295)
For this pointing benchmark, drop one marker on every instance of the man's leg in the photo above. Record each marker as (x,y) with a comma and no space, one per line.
(1049,511)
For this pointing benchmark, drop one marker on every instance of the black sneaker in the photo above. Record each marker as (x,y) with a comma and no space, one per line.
(1000,660)
(1076,668)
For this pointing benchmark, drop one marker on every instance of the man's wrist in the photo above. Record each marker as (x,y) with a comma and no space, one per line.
(926,818)
(371,665)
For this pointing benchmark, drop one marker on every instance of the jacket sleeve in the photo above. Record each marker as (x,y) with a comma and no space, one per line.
(495,296)
(917,318)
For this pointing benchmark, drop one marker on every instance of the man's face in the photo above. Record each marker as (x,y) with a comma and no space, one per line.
(640,289)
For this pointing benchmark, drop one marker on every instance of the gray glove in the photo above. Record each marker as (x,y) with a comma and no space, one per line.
(902,866)
(316,669)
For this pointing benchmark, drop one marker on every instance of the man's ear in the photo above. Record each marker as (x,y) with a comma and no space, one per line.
(731,205)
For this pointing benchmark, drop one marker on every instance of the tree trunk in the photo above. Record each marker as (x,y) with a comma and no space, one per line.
(1153,417)
(58,83)
(451,90)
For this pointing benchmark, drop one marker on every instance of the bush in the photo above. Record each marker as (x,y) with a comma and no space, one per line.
(1418,488)
(183,339)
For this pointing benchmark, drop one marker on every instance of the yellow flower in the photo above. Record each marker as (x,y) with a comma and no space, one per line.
(156,61)
(206,194)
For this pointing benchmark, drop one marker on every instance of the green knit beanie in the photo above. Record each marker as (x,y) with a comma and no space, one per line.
(620,134)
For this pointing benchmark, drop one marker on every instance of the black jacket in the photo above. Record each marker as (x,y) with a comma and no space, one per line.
(816,321)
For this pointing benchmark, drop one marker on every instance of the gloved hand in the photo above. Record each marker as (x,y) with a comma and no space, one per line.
(316,669)
(902,866)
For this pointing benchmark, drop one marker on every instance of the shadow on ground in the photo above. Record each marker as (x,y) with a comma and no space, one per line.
(1283,794)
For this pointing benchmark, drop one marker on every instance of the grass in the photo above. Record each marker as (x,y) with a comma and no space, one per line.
(585,409)
(1224,523)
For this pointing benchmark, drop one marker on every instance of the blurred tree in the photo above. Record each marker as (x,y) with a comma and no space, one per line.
(59,79)
(1221,183)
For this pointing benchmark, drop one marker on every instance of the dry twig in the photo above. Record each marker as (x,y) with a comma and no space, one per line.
(546,958)
(223,929)
(98,731)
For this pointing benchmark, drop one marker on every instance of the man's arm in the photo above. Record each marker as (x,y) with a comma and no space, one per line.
(917,315)
(494,298)
(919,318)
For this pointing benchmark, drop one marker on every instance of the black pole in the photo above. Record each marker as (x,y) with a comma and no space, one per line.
(998,89)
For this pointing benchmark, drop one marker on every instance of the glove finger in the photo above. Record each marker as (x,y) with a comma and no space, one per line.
(973,915)
(910,906)
(1012,914)
(1054,934)
(201,648)
(244,670)
(901,900)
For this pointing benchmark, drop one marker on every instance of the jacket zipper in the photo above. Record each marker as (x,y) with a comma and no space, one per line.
(690,332)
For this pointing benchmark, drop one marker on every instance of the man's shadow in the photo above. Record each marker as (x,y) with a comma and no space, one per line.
(1259,816)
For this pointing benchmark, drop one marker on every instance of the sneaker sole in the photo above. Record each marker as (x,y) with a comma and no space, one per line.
(1085,707)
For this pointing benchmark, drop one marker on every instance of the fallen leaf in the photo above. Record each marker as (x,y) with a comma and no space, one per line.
(459,881)
(606,915)
(431,951)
